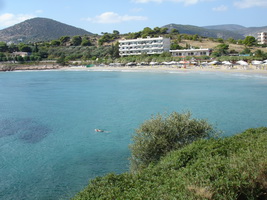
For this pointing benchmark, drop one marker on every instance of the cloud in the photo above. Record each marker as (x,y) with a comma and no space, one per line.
(185,2)
(9,19)
(39,11)
(221,8)
(250,3)
(136,10)
(112,18)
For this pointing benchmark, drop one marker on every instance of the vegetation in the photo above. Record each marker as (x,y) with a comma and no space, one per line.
(226,168)
(104,49)
(162,134)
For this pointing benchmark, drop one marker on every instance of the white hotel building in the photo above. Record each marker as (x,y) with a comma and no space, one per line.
(262,38)
(144,45)
(191,52)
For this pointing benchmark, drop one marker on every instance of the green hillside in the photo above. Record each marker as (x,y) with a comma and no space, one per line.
(39,29)
(227,168)
(204,32)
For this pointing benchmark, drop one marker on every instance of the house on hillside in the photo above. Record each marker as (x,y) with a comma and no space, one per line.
(262,38)
(147,45)
(190,52)
(22,54)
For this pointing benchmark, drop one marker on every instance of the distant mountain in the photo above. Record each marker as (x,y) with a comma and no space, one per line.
(244,31)
(204,32)
(39,29)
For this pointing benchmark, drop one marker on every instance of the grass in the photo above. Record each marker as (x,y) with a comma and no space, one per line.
(227,168)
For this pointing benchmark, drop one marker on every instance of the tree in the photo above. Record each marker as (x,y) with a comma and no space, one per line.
(195,37)
(64,39)
(24,47)
(259,53)
(62,60)
(220,40)
(76,40)
(231,40)
(147,32)
(246,51)
(3,47)
(174,30)
(55,42)
(114,51)
(249,41)
(86,42)
(221,50)
(163,30)
(162,134)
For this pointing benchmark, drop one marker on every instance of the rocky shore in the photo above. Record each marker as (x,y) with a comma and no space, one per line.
(8,67)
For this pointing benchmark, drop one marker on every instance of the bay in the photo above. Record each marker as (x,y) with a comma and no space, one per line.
(49,148)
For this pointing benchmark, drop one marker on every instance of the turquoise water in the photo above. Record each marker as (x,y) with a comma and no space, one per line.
(48,146)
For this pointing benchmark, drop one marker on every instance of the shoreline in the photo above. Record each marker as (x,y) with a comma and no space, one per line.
(223,69)
(251,69)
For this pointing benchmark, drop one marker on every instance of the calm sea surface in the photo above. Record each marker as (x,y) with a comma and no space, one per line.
(48,146)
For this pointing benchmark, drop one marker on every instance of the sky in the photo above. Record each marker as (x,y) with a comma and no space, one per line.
(98,16)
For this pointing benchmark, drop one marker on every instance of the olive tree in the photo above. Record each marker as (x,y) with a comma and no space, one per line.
(162,134)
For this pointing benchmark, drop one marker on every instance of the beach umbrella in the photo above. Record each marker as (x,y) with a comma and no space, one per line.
(242,62)
(256,62)
(226,63)
(153,63)
(173,63)
(130,64)
(215,62)
(183,62)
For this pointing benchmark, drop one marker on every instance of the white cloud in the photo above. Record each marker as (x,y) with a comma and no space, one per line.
(221,8)
(39,11)
(136,10)
(9,19)
(111,18)
(250,3)
(185,2)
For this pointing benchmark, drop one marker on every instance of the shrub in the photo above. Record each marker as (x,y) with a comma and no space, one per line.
(160,135)
(226,168)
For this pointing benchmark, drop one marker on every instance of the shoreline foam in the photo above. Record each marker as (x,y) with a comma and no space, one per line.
(223,68)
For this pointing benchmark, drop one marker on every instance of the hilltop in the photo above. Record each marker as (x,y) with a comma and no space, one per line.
(244,31)
(39,29)
(204,32)
(224,31)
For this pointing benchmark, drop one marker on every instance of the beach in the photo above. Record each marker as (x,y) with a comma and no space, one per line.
(164,68)
(261,69)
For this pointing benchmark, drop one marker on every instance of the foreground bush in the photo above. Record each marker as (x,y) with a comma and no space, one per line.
(162,134)
(223,169)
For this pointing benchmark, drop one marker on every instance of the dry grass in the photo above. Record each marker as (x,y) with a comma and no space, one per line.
(206,43)
(201,191)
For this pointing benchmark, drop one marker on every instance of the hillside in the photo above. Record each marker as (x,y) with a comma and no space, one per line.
(205,32)
(39,29)
(228,168)
(244,31)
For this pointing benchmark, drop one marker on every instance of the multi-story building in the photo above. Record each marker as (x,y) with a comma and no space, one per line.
(144,45)
(262,38)
(191,52)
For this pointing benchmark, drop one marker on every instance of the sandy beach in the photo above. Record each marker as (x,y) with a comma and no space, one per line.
(163,68)
(146,68)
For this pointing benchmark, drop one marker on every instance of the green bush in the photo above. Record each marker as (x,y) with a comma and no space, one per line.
(162,134)
(232,168)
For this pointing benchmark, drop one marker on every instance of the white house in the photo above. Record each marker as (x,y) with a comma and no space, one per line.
(262,38)
(144,45)
(191,52)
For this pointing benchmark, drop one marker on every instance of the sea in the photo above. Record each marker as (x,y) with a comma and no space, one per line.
(48,145)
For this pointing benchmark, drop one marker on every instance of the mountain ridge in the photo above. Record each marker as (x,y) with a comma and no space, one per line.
(45,29)
(204,32)
(39,29)
(245,31)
